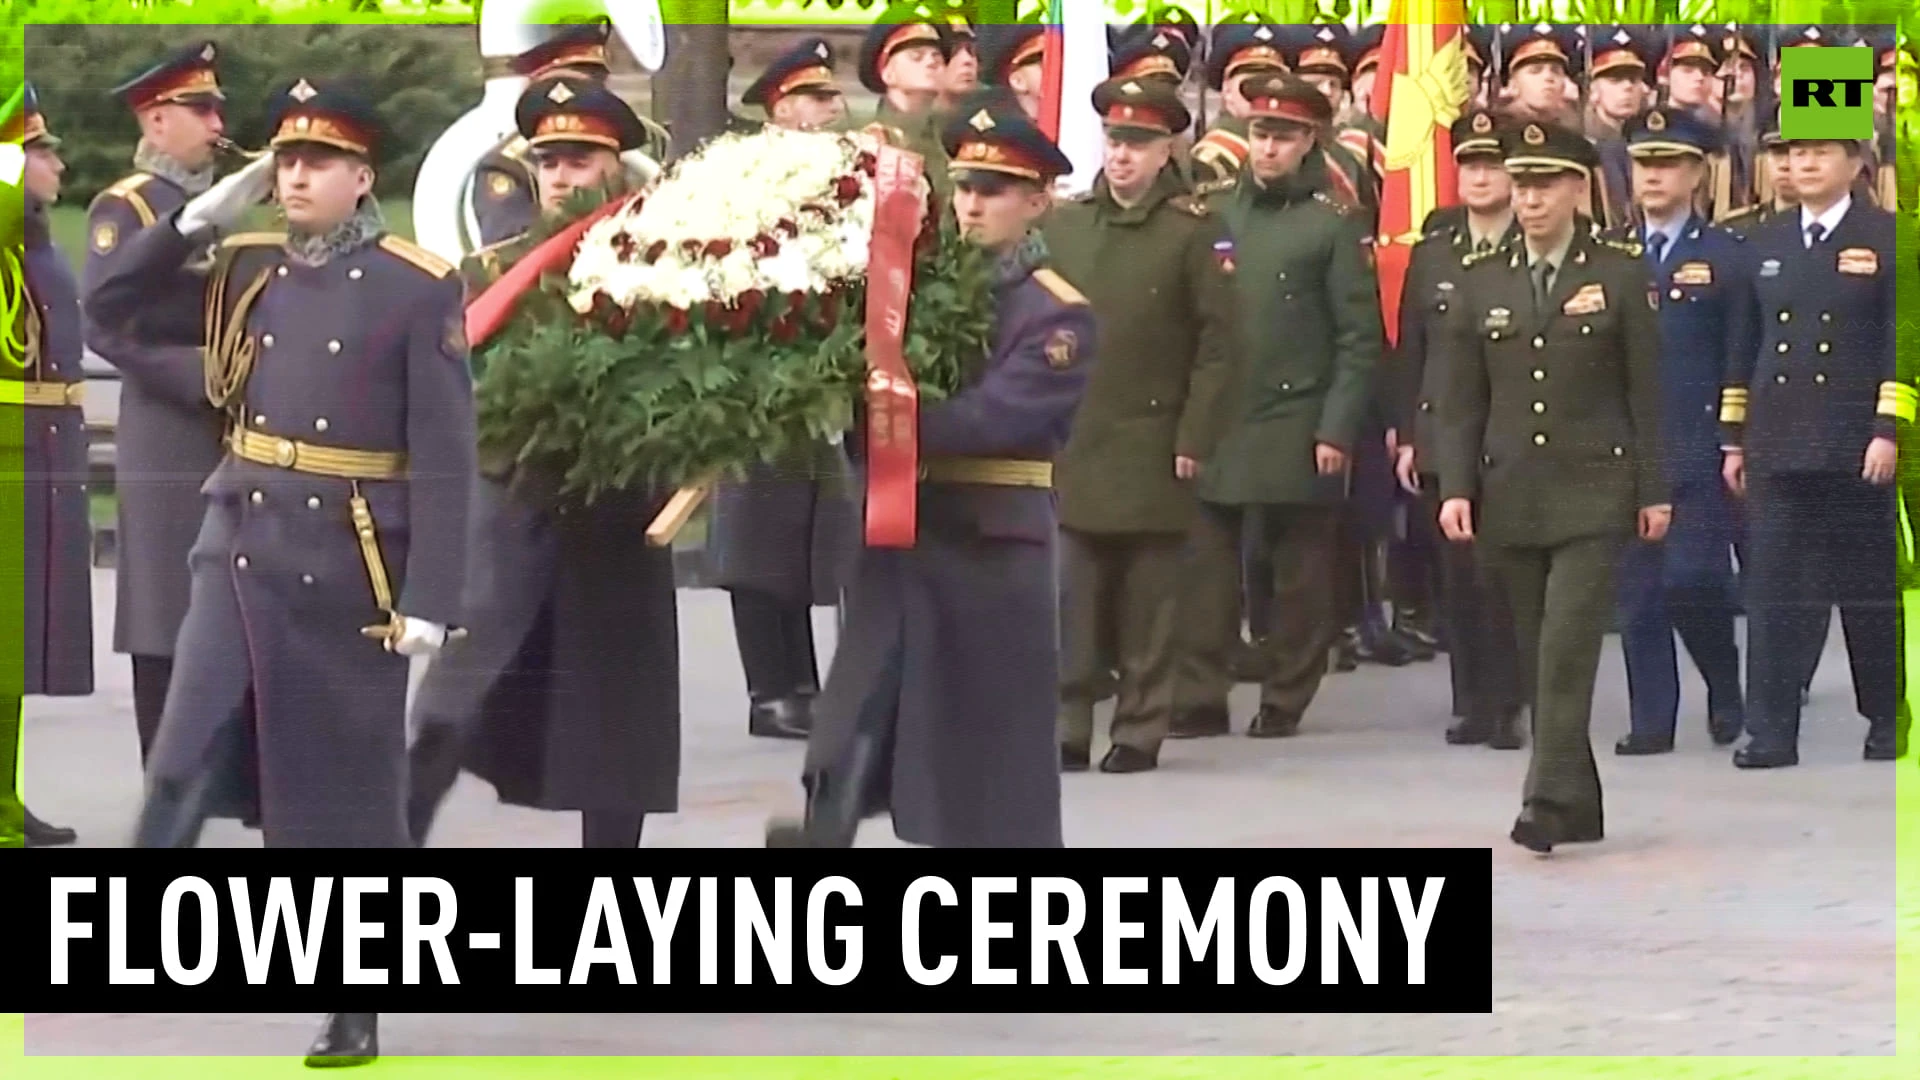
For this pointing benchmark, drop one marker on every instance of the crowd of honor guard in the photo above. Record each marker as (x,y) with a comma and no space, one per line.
(1644,377)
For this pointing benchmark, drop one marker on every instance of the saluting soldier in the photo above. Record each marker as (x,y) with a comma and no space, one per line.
(1619,74)
(1550,453)
(335,535)
(1153,412)
(904,60)
(1478,619)
(41,386)
(1812,409)
(565,696)
(165,443)
(941,701)
(1010,56)
(1683,584)
(505,191)
(1301,261)
(778,541)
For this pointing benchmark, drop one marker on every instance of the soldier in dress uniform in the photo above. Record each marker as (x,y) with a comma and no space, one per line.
(1476,615)
(1366,44)
(904,60)
(1619,77)
(1692,63)
(1318,54)
(565,696)
(941,701)
(1537,62)
(1236,52)
(1010,60)
(165,444)
(1302,261)
(1153,412)
(1775,173)
(334,542)
(1811,411)
(1146,51)
(780,539)
(505,191)
(1685,583)
(1550,452)
(41,387)
(962,78)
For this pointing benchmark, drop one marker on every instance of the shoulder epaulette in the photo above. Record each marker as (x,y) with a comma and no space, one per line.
(128,190)
(885,133)
(254,239)
(1061,289)
(421,258)
(1339,206)
(1189,204)
(1475,258)
(1210,187)
(1627,247)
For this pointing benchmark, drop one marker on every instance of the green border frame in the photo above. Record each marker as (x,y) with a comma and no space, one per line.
(16,1065)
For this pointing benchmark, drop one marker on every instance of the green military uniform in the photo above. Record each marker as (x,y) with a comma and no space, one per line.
(904,26)
(1158,276)
(920,133)
(1549,427)
(1312,339)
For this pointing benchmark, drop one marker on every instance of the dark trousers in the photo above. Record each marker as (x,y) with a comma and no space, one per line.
(1119,602)
(1651,613)
(176,810)
(151,677)
(1477,616)
(1817,541)
(1563,603)
(1300,544)
(776,646)
(1256,577)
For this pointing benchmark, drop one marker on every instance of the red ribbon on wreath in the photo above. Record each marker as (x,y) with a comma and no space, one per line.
(495,305)
(893,401)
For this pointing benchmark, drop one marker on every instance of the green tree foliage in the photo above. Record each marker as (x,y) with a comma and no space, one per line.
(421,78)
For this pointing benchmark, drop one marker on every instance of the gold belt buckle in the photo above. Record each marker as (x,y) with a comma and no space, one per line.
(284,454)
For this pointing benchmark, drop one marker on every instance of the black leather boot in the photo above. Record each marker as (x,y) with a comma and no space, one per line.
(41,834)
(782,718)
(346,1040)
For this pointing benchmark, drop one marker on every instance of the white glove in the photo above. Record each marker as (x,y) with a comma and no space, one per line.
(225,203)
(418,637)
(641,167)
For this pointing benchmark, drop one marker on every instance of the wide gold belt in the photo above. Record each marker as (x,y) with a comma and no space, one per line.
(995,472)
(304,457)
(51,394)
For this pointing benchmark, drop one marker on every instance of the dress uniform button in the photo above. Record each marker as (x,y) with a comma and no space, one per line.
(282,271)
(1539,438)
(306,579)
(1286,386)
(1781,379)
(1495,336)
(1539,375)
(1825,347)
(1786,316)
(259,420)
(1539,343)
(1442,308)
(258,498)
(1619,452)
(1782,347)
(267,340)
(1539,407)
(313,502)
(333,346)
(354,274)
(53,429)
(240,561)
(1820,377)
(1426,406)
(320,424)
(1826,316)
(1675,294)
(1585,329)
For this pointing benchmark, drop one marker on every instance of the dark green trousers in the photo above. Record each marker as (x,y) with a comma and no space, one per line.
(1301,543)
(1563,600)
(1118,611)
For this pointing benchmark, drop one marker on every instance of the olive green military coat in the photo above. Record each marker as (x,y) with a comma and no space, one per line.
(920,133)
(1311,338)
(1158,277)
(1550,419)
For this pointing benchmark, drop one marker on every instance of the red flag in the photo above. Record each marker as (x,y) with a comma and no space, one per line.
(1420,91)
(1053,72)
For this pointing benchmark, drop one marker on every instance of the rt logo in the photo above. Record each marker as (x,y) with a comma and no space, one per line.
(1828,93)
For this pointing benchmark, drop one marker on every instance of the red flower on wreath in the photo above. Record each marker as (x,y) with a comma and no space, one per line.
(764,246)
(719,249)
(846,190)
(675,320)
(654,251)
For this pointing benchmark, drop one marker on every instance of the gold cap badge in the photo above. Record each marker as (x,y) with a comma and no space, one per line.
(303,91)
(560,94)
(1482,123)
(1656,121)
(1534,136)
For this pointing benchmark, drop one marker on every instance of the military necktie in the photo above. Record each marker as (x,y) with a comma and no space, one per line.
(1542,285)
(1814,232)
(1657,247)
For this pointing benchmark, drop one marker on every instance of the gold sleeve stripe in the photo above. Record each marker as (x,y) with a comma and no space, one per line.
(1899,401)
(1733,412)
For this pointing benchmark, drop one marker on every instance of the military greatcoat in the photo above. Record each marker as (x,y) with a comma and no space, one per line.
(567,689)
(51,461)
(363,353)
(167,438)
(505,193)
(952,644)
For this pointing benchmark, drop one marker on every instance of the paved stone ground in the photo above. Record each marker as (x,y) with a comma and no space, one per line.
(1727,913)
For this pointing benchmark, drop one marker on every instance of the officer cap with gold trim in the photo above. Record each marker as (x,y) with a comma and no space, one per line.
(807,68)
(1143,50)
(1364,47)
(999,140)
(578,47)
(1886,48)
(1744,42)
(321,113)
(903,26)
(1622,50)
(1479,46)
(1804,35)
(1004,48)
(1770,132)
(1316,50)
(1288,99)
(1477,135)
(1696,45)
(185,77)
(27,125)
(1536,43)
(561,111)
(1546,149)
(1141,107)
(1240,48)
(1665,132)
